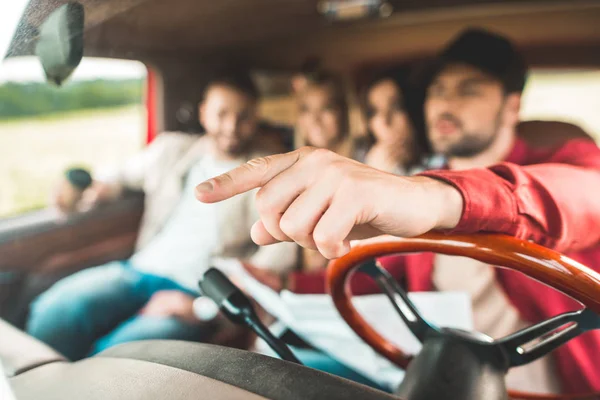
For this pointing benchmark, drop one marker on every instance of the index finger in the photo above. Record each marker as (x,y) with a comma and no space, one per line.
(251,175)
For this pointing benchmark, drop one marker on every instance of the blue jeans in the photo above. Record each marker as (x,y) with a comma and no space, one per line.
(97,308)
(323,362)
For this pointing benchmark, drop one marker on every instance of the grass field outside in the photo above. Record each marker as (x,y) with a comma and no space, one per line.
(35,152)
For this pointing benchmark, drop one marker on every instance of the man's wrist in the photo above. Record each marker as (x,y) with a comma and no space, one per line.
(448,201)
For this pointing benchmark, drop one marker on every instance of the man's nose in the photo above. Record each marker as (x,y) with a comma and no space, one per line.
(448,103)
(231,125)
(387,118)
(314,120)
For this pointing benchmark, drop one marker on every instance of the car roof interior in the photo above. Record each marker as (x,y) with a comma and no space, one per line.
(266,34)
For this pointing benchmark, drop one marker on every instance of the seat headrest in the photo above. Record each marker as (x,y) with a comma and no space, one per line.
(542,134)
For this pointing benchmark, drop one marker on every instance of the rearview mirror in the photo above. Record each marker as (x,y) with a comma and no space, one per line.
(60,44)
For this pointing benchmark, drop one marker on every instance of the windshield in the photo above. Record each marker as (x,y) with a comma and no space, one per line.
(10,13)
(46,128)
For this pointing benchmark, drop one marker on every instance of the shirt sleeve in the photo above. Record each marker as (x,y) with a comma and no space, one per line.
(555,204)
(132,174)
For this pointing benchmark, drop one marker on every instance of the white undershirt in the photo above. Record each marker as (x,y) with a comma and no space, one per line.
(184,248)
(494,315)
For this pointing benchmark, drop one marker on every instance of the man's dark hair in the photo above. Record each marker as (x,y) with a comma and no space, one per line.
(488,52)
(237,80)
(310,66)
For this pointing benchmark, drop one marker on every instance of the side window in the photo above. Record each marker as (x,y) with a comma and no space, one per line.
(94,120)
(564,95)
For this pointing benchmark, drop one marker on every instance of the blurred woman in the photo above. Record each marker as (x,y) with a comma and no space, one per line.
(323,121)
(323,118)
(392,143)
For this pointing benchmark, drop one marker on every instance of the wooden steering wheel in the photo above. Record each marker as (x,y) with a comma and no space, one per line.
(547,266)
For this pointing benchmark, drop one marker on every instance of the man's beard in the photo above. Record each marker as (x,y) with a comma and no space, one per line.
(232,147)
(470,144)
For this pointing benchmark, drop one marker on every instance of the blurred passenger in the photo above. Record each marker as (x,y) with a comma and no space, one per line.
(392,144)
(151,295)
(323,115)
(305,74)
(323,121)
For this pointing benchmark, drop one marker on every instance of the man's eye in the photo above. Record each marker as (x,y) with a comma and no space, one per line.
(244,116)
(371,112)
(436,90)
(470,91)
(398,106)
(330,108)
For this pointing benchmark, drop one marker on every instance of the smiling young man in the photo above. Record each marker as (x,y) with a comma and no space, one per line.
(495,182)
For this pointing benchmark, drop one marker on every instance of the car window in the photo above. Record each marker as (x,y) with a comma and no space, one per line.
(564,95)
(95,119)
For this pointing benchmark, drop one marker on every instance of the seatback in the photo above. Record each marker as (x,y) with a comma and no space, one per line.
(544,134)
(183,371)
(20,352)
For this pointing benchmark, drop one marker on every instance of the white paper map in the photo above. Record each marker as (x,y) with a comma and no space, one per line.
(315,319)
(5,392)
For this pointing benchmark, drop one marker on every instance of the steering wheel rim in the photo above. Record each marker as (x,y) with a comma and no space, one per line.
(547,266)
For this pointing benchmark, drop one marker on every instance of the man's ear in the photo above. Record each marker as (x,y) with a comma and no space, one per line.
(513,107)
(202,112)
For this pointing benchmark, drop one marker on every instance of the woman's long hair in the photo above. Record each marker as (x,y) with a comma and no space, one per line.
(413,105)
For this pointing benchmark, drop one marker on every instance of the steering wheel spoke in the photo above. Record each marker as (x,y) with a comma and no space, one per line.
(407,310)
(536,341)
